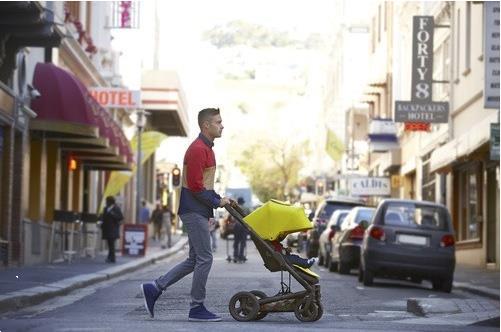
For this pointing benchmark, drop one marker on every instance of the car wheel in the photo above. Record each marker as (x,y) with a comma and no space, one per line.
(444,285)
(344,268)
(368,277)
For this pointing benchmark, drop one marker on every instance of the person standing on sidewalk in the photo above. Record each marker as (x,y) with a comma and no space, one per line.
(157,219)
(198,199)
(144,215)
(167,223)
(213,226)
(111,217)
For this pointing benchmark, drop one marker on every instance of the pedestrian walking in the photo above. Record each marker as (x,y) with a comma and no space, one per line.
(197,201)
(240,236)
(157,220)
(167,218)
(111,218)
(144,214)
(213,226)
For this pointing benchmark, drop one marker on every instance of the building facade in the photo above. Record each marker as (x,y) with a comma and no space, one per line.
(448,163)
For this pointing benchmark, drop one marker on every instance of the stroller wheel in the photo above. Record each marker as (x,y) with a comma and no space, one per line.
(308,313)
(260,295)
(244,306)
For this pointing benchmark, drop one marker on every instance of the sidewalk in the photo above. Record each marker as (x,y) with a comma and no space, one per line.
(477,280)
(30,285)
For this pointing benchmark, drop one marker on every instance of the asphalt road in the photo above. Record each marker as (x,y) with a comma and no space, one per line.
(117,304)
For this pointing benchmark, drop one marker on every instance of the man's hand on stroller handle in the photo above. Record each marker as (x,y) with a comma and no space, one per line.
(224,201)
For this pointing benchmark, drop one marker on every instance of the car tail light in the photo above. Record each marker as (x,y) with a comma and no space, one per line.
(377,233)
(357,233)
(447,241)
(331,234)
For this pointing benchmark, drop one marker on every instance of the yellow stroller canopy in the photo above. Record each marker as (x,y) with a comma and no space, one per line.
(275,219)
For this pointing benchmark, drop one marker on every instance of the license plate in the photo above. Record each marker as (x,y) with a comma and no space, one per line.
(412,239)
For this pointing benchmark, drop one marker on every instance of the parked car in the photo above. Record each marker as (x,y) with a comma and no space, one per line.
(324,242)
(409,239)
(322,215)
(346,243)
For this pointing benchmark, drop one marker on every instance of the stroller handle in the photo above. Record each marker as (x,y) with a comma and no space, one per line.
(235,207)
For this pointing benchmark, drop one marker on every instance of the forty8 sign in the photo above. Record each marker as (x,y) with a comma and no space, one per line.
(422,58)
(421,107)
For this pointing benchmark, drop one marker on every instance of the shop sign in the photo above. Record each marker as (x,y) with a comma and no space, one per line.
(116,97)
(421,107)
(370,186)
(135,239)
(382,135)
(494,141)
(491,51)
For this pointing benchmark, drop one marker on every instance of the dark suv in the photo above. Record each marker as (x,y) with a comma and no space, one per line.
(322,216)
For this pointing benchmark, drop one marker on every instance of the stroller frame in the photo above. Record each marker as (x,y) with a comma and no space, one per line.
(255,305)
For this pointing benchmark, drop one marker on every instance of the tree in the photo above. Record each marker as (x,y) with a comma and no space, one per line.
(272,167)
(238,32)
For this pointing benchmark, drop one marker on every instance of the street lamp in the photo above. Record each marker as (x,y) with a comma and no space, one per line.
(140,123)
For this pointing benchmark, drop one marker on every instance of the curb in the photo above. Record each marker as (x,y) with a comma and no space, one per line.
(35,295)
(478,290)
(425,306)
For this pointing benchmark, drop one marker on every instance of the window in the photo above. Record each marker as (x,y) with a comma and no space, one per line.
(471,221)
(379,23)
(467,48)
(373,39)
(458,44)
(441,68)
(414,215)
(469,201)
(385,15)
(428,181)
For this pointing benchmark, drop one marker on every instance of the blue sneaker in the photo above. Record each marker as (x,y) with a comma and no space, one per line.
(150,294)
(201,314)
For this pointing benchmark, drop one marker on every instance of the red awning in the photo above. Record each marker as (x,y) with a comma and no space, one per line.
(62,106)
(66,107)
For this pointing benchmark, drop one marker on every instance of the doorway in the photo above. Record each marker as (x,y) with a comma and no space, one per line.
(492,213)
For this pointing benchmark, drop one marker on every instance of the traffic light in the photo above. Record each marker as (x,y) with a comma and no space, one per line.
(176,177)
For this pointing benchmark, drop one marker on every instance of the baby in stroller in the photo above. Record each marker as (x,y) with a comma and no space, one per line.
(292,258)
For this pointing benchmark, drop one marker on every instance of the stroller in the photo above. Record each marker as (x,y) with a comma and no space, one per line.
(270,222)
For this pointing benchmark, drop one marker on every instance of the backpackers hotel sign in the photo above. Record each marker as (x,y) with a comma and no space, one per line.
(421,108)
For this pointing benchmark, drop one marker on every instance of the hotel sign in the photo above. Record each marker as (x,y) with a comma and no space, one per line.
(491,51)
(116,97)
(421,107)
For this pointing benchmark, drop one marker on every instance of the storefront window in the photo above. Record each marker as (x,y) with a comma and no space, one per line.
(428,180)
(472,226)
(469,201)
(2,142)
(1,155)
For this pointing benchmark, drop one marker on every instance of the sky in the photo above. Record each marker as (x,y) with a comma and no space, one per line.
(181,49)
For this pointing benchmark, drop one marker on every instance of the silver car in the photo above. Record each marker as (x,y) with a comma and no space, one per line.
(409,239)
(324,242)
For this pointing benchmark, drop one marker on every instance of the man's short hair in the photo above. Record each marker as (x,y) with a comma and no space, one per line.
(206,114)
